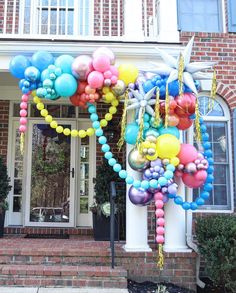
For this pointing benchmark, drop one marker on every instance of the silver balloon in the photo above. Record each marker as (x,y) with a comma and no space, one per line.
(137,161)
(119,88)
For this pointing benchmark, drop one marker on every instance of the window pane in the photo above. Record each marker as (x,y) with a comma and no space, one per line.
(18,186)
(16,110)
(220,195)
(220,174)
(34,112)
(17,204)
(54,110)
(219,153)
(68,112)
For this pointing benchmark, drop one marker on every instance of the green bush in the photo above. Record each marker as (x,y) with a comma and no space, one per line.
(216,236)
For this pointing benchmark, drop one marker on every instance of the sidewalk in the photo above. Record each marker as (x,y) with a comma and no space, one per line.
(59,290)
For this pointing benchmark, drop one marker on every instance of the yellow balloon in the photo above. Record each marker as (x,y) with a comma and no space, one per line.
(66,131)
(115,102)
(103,123)
(109,97)
(33,93)
(37,100)
(53,124)
(174,161)
(44,112)
(74,133)
(59,129)
(168,146)
(108,116)
(152,158)
(128,73)
(90,131)
(82,133)
(105,90)
(40,106)
(48,118)
(112,110)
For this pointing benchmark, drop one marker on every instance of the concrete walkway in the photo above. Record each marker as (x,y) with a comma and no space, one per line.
(59,290)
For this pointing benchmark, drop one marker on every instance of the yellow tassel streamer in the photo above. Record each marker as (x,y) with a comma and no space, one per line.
(140,133)
(167,104)
(213,91)
(180,74)
(123,122)
(22,142)
(160,260)
(197,122)
(157,109)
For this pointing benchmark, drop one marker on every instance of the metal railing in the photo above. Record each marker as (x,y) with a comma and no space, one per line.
(72,19)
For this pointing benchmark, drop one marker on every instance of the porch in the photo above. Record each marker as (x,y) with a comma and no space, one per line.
(83,262)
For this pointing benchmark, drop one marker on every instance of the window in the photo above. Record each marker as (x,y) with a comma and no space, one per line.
(57,17)
(232,16)
(217,119)
(199,16)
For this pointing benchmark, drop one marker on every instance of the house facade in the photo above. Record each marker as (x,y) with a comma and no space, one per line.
(132,30)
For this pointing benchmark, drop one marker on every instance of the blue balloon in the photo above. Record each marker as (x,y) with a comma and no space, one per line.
(170,130)
(178,200)
(147,86)
(186,205)
(131,133)
(18,65)
(45,74)
(65,85)
(117,167)
(123,174)
(200,201)
(32,73)
(173,88)
(64,62)
(42,59)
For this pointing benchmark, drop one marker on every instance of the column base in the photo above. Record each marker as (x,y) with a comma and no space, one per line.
(145,248)
(183,249)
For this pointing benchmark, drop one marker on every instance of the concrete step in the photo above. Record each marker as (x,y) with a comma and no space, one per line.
(62,276)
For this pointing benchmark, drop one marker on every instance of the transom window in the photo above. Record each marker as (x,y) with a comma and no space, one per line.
(217,120)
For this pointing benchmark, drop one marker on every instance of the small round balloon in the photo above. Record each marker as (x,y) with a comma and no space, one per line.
(65,63)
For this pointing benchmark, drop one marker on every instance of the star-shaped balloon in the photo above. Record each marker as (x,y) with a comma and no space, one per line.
(191,70)
(142,102)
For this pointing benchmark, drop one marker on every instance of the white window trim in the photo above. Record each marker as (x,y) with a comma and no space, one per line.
(226,118)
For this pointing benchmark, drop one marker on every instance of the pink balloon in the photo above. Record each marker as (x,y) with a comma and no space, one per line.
(101,63)
(25,98)
(159,204)
(23,121)
(82,66)
(160,221)
(23,113)
(107,74)
(95,79)
(23,105)
(160,230)
(187,154)
(201,175)
(103,51)
(160,239)
(114,79)
(114,71)
(194,180)
(159,213)
(158,195)
(22,128)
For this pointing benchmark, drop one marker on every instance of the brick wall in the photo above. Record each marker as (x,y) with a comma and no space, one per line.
(9,19)
(4,115)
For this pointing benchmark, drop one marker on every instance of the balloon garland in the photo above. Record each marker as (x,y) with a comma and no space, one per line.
(164,101)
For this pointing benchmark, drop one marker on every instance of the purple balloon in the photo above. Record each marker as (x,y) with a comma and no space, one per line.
(172,189)
(157,162)
(139,196)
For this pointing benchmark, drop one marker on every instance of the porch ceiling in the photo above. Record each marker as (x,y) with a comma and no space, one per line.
(6,79)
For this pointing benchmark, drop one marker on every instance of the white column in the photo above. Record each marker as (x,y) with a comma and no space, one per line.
(167,21)
(133,30)
(136,217)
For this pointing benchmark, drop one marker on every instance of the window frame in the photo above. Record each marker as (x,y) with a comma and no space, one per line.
(221,18)
(226,118)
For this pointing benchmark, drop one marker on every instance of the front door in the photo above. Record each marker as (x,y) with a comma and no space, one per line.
(50,182)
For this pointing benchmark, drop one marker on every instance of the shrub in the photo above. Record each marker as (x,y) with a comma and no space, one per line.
(216,237)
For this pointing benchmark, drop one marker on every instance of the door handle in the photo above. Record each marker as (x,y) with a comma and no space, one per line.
(72,172)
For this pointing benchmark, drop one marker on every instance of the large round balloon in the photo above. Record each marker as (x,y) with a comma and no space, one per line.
(128,73)
(131,133)
(42,59)
(65,63)
(103,51)
(195,180)
(137,161)
(18,66)
(65,85)
(82,66)
(184,123)
(168,146)
(139,196)
(187,154)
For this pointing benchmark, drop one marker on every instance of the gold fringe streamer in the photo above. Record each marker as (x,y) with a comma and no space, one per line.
(197,122)
(167,104)
(160,260)
(140,133)
(180,73)
(157,108)
(22,142)
(123,122)
(213,91)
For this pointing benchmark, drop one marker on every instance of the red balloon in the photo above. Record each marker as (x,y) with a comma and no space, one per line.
(185,104)
(194,180)
(184,123)
(81,87)
(187,154)
(75,100)
(173,120)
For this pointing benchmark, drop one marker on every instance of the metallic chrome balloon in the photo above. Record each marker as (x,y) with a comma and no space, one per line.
(119,88)
(137,161)
(152,132)
(151,138)
(139,196)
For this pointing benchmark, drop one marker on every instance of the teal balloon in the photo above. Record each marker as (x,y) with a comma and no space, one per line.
(18,66)
(42,59)
(131,133)
(64,62)
(45,74)
(170,130)
(151,131)
(65,85)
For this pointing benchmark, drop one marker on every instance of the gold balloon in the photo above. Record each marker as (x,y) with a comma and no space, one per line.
(119,88)
(137,161)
